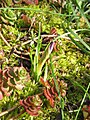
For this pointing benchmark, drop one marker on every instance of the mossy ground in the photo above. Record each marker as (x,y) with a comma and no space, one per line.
(72,66)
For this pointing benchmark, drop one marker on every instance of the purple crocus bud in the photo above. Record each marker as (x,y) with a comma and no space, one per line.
(51,47)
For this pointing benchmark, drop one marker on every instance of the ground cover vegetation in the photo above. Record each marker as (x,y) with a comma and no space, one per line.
(44,60)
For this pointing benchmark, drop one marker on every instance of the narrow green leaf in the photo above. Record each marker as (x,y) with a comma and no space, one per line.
(76,43)
(82,13)
(46,72)
(82,101)
(79,45)
(57,88)
(44,57)
(76,36)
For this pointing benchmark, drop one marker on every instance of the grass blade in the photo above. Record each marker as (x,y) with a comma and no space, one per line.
(82,13)
(79,45)
(76,36)
(77,84)
(46,72)
(82,101)
(44,57)
(76,43)
(57,88)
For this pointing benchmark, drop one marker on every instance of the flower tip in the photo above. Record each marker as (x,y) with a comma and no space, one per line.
(51,46)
